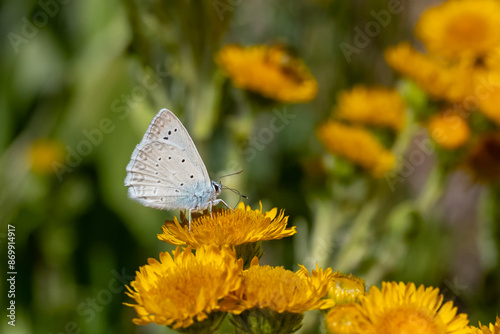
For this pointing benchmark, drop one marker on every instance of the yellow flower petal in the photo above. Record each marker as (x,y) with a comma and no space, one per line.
(449,130)
(346,319)
(491,329)
(344,289)
(357,145)
(374,106)
(438,78)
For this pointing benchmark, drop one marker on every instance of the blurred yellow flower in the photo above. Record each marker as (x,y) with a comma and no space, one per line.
(346,319)
(344,289)
(437,77)
(282,290)
(465,28)
(491,329)
(268,70)
(489,99)
(449,130)
(228,227)
(43,153)
(372,105)
(184,289)
(357,145)
(483,161)
(402,308)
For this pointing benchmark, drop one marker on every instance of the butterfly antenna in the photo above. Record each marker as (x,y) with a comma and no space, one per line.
(235,191)
(229,175)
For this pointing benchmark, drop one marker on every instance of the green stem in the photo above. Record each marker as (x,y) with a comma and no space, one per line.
(327,222)
(431,192)
(354,247)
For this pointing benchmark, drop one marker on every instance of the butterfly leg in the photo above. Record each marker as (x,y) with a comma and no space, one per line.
(210,209)
(189,217)
(218,200)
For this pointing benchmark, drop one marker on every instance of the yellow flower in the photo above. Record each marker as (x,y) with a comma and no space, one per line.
(438,78)
(483,161)
(461,28)
(283,290)
(374,106)
(357,145)
(43,153)
(228,227)
(491,329)
(184,289)
(449,130)
(269,71)
(489,95)
(345,289)
(272,299)
(402,308)
(346,319)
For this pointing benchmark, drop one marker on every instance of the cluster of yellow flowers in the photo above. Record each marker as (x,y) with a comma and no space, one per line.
(274,73)
(461,72)
(360,107)
(193,291)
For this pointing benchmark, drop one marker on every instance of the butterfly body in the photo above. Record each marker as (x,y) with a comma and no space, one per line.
(166,171)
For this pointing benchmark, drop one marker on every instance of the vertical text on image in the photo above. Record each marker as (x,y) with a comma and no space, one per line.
(11,274)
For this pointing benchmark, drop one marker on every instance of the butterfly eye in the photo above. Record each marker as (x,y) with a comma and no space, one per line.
(216,187)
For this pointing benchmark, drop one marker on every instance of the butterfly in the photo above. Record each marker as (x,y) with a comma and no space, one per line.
(166,171)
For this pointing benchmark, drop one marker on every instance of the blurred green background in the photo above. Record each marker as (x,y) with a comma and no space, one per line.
(80,82)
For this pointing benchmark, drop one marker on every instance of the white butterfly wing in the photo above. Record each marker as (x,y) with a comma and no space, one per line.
(165,170)
(166,127)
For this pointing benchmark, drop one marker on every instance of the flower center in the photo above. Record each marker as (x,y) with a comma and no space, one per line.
(408,321)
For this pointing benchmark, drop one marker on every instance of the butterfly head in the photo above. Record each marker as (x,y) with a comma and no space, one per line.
(217,187)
